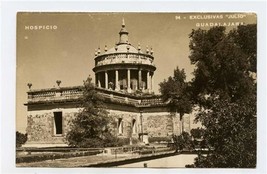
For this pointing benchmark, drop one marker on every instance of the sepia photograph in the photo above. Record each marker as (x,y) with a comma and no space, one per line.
(136,90)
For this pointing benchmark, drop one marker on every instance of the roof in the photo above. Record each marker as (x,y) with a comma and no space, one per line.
(122,48)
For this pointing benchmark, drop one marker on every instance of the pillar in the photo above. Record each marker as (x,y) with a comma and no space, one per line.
(152,82)
(98,80)
(147,81)
(139,79)
(128,80)
(117,87)
(106,79)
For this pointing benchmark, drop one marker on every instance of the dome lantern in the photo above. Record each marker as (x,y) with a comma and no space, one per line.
(123,34)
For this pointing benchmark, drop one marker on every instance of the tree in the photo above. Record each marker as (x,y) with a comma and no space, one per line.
(20,138)
(182,141)
(197,133)
(90,127)
(176,91)
(225,91)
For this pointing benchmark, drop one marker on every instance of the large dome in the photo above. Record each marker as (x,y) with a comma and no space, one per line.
(124,68)
(122,48)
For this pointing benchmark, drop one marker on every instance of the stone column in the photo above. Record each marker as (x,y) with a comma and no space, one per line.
(98,80)
(96,84)
(106,79)
(117,87)
(128,80)
(152,82)
(139,79)
(147,81)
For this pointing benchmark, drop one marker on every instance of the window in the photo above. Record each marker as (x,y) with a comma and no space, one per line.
(134,126)
(57,123)
(120,125)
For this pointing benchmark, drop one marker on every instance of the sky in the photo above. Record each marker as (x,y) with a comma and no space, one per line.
(61,46)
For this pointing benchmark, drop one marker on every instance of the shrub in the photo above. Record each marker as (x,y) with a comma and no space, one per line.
(190,166)
(183,141)
(159,139)
(20,139)
(135,140)
(42,157)
(123,141)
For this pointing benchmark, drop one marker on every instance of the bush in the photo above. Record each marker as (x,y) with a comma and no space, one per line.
(197,133)
(190,166)
(42,157)
(20,139)
(91,142)
(159,139)
(135,140)
(123,141)
(183,141)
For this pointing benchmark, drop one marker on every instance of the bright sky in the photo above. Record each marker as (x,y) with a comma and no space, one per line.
(66,52)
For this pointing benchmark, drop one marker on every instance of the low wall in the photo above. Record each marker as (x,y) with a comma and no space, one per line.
(52,155)
(116,162)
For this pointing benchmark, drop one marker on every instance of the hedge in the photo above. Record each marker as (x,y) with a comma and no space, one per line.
(42,157)
(159,139)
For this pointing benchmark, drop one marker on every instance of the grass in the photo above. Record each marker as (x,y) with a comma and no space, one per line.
(70,162)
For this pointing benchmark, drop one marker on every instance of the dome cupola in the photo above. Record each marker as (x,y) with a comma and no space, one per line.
(123,34)
(124,68)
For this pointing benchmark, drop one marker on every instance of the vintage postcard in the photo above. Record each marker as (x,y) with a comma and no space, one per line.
(136,90)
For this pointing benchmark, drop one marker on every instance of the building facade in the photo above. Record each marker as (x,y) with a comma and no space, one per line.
(124,77)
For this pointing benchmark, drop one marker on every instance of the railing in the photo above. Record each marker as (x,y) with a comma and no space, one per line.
(125,58)
(54,94)
(62,94)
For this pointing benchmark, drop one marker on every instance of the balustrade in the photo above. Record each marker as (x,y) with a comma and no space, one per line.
(125,58)
(54,95)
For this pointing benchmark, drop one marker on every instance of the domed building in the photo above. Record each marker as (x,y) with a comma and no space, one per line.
(124,77)
(123,67)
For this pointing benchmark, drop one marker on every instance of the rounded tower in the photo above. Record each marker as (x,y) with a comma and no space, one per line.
(124,68)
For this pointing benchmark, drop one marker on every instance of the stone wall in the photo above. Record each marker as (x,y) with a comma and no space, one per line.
(127,120)
(157,124)
(40,126)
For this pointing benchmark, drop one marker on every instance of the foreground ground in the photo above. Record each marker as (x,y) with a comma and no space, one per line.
(71,162)
(168,162)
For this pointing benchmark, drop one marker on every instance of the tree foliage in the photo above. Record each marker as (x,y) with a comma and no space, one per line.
(197,133)
(20,138)
(176,91)
(182,141)
(90,127)
(225,90)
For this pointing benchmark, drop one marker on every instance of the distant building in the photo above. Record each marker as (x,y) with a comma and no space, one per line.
(124,77)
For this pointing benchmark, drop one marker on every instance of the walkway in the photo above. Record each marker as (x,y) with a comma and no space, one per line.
(168,162)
